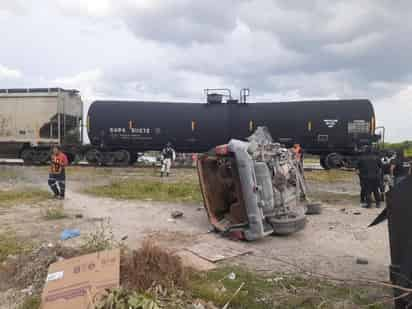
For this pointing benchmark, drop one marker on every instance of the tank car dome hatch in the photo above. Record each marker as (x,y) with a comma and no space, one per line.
(214,98)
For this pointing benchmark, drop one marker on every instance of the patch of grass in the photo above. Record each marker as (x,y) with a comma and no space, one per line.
(54,213)
(334,198)
(29,195)
(31,302)
(280,291)
(215,286)
(11,245)
(330,176)
(149,190)
(7,173)
(298,292)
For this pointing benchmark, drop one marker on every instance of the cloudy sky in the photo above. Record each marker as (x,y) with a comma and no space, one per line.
(172,49)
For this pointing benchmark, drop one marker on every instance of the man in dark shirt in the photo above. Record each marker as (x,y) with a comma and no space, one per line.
(400,168)
(369,167)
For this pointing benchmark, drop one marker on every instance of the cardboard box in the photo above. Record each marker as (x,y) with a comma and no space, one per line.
(77,282)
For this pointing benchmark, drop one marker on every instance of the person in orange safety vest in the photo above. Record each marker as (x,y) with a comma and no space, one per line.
(57,175)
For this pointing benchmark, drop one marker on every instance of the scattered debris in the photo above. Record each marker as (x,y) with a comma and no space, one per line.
(231,276)
(357,213)
(362,261)
(176,214)
(78,216)
(124,237)
(77,281)
(69,233)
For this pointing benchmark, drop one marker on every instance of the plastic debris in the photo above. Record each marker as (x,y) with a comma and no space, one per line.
(231,276)
(69,233)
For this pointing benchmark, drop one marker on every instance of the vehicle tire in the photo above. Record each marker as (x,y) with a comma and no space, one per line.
(289,224)
(313,208)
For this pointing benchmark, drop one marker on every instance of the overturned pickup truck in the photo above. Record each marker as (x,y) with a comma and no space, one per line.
(253,189)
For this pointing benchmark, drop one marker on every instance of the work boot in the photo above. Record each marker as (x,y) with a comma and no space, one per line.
(378,205)
(363,205)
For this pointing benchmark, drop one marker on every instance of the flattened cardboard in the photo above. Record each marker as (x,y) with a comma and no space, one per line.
(78,282)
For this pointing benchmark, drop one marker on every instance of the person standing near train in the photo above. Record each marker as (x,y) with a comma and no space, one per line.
(369,168)
(168,156)
(57,175)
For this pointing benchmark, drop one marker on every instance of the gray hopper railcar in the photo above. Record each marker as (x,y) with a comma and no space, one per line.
(33,120)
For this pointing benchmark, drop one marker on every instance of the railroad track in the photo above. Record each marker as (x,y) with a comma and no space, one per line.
(18,162)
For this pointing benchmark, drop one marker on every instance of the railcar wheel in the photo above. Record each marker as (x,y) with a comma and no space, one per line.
(93,156)
(122,157)
(323,163)
(108,159)
(43,156)
(28,156)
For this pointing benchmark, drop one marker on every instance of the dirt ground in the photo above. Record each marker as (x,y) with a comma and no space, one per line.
(330,244)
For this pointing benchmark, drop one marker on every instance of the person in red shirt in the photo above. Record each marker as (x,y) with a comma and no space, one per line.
(57,175)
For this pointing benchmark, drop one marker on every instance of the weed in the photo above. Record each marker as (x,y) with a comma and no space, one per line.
(31,302)
(54,213)
(121,298)
(29,195)
(152,265)
(101,239)
(154,190)
(10,245)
